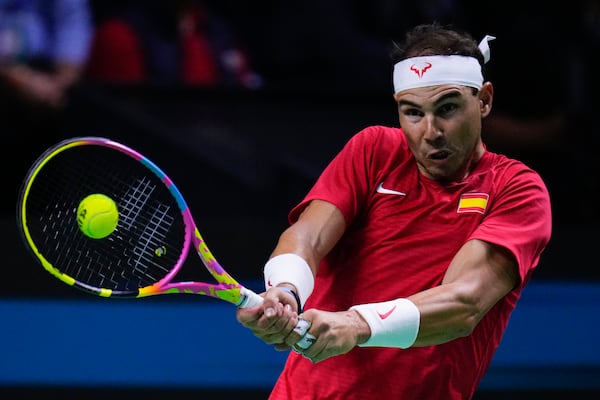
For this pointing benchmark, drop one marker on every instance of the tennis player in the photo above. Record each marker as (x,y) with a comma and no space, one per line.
(411,250)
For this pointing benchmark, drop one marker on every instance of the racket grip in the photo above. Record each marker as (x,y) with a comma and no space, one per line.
(249,299)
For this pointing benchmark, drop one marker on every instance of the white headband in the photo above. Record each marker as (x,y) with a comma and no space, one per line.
(424,71)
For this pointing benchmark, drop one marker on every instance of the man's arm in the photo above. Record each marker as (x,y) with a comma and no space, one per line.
(478,277)
(317,230)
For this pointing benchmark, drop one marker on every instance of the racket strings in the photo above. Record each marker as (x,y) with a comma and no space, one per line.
(156,224)
(149,237)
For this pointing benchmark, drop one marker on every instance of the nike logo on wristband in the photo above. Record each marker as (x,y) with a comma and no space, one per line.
(381,189)
(387,314)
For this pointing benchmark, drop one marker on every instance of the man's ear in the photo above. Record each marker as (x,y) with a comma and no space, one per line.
(486,97)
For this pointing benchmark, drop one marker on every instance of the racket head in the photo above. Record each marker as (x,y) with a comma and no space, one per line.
(153,235)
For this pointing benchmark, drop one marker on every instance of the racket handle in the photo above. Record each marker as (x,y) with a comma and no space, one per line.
(249,299)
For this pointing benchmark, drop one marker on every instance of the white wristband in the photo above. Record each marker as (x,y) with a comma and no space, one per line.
(293,269)
(393,323)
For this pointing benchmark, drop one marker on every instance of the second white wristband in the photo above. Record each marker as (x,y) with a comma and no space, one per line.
(393,323)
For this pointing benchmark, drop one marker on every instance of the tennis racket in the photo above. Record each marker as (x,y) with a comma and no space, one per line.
(146,249)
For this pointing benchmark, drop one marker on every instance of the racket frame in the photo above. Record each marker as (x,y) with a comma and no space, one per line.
(227,288)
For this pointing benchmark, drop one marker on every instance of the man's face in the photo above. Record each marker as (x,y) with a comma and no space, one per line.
(443,127)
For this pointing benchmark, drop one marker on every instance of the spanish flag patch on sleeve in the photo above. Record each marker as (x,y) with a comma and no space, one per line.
(473,202)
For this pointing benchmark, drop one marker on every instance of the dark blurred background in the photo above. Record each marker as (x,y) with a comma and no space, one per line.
(243,104)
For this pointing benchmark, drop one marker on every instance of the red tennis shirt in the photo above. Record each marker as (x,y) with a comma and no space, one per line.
(403,231)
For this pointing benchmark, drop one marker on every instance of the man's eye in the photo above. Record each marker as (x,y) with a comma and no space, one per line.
(447,108)
(412,112)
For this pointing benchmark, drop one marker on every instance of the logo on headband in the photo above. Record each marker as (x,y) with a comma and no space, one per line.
(420,68)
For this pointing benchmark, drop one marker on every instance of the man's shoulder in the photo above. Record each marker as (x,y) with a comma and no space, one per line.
(511,169)
(505,161)
(381,139)
(381,133)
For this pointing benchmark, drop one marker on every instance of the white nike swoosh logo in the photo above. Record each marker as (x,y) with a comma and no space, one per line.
(381,189)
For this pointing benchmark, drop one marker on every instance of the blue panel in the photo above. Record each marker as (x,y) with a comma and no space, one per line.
(551,340)
(116,342)
(175,341)
(554,325)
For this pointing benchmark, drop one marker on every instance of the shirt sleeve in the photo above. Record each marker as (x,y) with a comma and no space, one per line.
(345,181)
(520,219)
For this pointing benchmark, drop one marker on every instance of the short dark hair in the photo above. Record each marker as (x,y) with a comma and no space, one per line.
(436,39)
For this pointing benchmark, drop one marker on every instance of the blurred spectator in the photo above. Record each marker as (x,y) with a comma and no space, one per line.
(582,136)
(531,64)
(392,18)
(543,70)
(161,41)
(43,49)
(312,44)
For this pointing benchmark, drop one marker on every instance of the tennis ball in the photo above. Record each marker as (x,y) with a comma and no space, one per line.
(97,216)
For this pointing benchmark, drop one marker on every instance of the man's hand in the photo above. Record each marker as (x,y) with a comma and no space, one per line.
(274,320)
(336,333)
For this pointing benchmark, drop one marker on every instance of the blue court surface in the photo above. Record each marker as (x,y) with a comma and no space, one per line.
(195,342)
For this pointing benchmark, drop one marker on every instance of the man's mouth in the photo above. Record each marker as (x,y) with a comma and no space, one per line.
(439,155)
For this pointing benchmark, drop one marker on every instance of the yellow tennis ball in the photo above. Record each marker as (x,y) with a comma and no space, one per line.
(97,216)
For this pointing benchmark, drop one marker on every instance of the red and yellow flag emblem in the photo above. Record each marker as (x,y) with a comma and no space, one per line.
(473,202)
